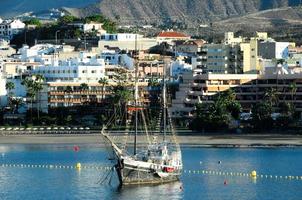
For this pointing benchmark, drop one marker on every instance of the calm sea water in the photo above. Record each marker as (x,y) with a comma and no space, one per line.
(39,183)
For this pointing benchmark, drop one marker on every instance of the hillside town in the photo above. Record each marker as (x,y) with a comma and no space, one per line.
(52,81)
(151,99)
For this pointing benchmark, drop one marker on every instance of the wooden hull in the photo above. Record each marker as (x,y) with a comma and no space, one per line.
(130,175)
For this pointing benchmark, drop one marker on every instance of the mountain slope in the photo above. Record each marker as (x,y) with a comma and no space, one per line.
(188,11)
(268,19)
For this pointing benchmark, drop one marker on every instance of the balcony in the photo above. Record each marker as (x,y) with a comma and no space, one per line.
(62,93)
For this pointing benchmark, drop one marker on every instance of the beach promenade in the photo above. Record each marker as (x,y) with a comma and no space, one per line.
(264,140)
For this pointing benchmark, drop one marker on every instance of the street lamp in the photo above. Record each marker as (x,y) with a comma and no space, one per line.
(25,35)
(56,35)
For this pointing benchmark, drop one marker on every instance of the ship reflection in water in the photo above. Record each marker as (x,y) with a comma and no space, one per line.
(164,191)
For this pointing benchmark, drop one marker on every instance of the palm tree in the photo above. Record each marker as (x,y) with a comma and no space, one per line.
(287,109)
(16,102)
(29,84)
(103,82)
(68,90)
(10,86)
(271,96)
(293,90)
(38,87)
(154,83)
(261,115)
(122,95)
(229,95)
(84,88)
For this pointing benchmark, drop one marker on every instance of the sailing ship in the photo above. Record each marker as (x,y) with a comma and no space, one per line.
(156,161)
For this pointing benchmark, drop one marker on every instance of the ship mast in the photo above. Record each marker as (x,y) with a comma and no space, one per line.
(135,97)
(164,102)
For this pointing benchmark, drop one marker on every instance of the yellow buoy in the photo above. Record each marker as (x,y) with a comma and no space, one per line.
(254,174)
(78,166)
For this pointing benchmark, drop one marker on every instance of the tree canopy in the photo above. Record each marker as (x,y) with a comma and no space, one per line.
(218,115)
(33,21)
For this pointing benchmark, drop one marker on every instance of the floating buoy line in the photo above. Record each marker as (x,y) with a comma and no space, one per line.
(79,166)
(252,174)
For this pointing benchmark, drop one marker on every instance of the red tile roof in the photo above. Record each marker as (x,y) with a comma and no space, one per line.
(172,34)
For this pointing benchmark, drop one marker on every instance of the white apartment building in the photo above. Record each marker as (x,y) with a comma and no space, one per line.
(171,36)
(46,54)
(273,50)
(93,26)
(80,69)
(230,39)
(121,37)
(113,58)
(72,73)
(9,28)
(15,68)
(219,59)
(179,67)
(18,92)
(89,27)
(126,41)
(5,49)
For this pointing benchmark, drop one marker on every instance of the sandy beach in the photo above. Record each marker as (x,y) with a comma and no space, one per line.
(191,140)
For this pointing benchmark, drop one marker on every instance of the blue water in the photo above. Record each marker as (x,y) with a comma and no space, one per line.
(39,183)
(10,7)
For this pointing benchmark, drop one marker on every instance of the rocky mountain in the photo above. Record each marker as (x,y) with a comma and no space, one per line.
(187,11)
(263,20)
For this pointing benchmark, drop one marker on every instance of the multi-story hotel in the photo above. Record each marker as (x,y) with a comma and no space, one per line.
(68,94)
(9,28)
(249,89)
(220,59)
